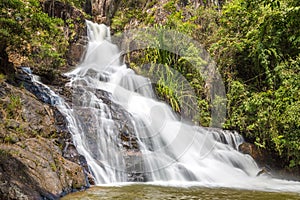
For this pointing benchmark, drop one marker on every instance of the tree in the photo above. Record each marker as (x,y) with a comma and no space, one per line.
(258,51)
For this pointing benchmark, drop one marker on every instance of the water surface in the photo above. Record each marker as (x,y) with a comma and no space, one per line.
(141,191)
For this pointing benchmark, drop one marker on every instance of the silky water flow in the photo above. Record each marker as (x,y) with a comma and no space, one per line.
(167,151)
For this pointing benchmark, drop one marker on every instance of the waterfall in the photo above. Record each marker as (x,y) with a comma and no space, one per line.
(166,149)
(127,135)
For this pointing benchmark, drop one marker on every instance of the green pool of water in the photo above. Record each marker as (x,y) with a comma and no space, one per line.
(161,192)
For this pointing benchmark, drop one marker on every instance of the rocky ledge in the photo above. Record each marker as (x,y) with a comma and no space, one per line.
(37,157)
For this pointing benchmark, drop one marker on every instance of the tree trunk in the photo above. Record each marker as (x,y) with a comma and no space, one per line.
(104,10)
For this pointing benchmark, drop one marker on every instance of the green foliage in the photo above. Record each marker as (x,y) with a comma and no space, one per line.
(11,139)
(170,6)
(14,107)
(76,3)
(2,77)
(26,30)
(132,12)
(255,39)
(167,89)
(53,166)
(257,48)
(171,86)
(180,82)
(174,67)
(270,117)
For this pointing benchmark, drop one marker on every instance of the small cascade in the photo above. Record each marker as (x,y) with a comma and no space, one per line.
(231,138)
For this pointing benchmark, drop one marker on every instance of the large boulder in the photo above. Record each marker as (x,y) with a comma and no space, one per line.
(262,157)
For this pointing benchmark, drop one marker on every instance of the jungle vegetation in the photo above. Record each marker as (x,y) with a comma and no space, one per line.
(255,43)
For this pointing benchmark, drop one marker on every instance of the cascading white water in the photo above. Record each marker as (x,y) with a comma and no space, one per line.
(168,149)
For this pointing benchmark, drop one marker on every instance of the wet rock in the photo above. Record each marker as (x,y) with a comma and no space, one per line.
(253,151)
(264,171)
(94,117)
(261,156)
(124,128)
(135,166)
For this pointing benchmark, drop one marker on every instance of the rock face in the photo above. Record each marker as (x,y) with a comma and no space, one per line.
(261,156)
(253,151)
(34,142)
(35,168)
